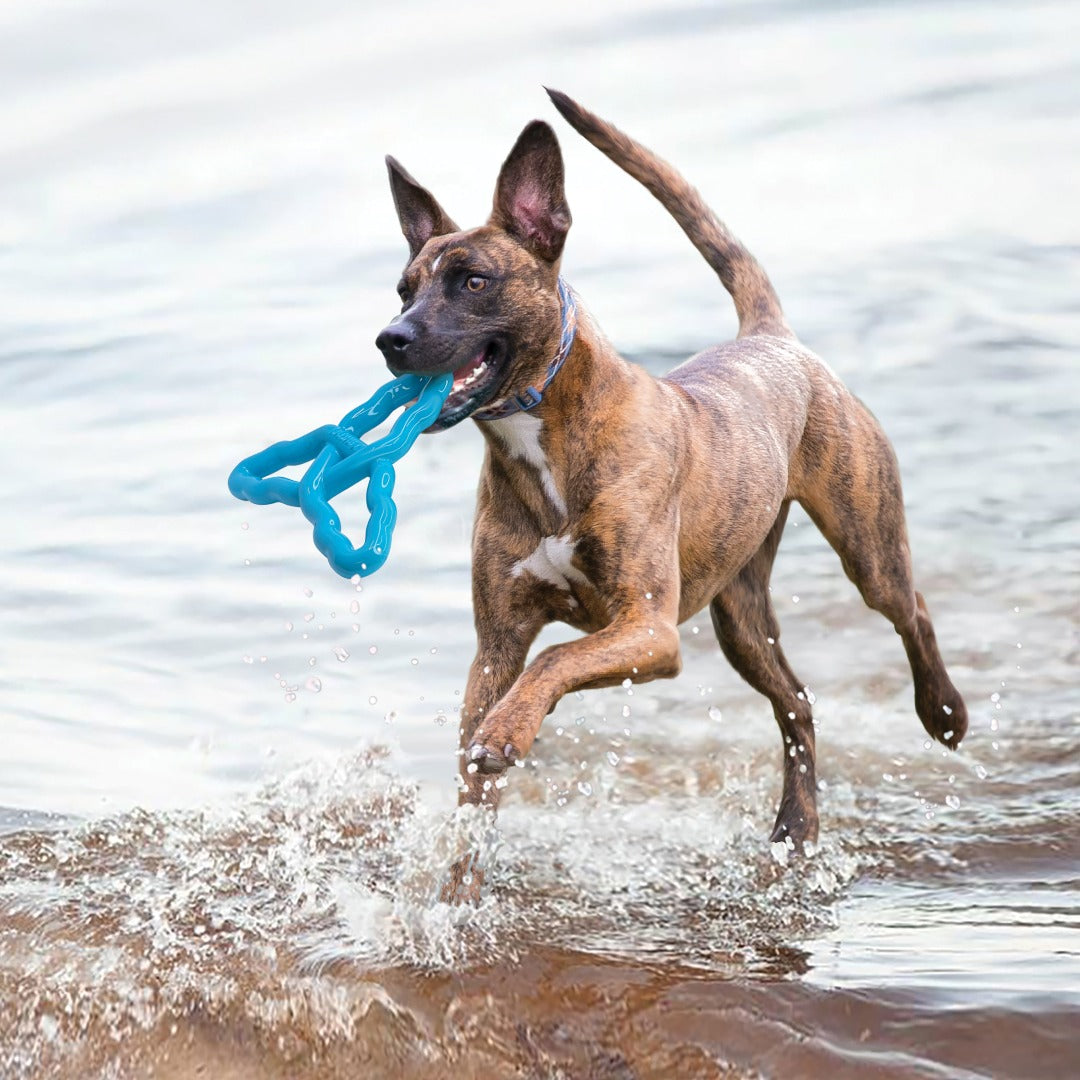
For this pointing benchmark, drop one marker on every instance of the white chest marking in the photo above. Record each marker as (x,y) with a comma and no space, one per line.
(520,434)
(551,562)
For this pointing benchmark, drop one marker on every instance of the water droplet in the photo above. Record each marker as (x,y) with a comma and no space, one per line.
(794,599)
(290,696)
(927,744)
(341,653)
(771,640)
(980,772)
(249,659)
(308,592)
(414,661)
(559,730)
(946,710)
(612,758)
(288,626)
(373,700)
(309,616)
(648,596)
(434,651)
(312,661)
(313,684)
(440,718)
(626,684)
(243,524)
(715,713)
(626,710)
(247,562)
(373,649)
(695,630)
(584,787)
(952,801)
(354,607)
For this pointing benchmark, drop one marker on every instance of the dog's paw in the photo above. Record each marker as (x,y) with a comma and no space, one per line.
(488,760)
(796,825)
(943,714)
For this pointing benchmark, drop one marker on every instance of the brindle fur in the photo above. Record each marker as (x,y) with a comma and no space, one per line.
(673,491)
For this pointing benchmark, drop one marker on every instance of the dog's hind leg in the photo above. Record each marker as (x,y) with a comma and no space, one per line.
(852,492)
(749,635)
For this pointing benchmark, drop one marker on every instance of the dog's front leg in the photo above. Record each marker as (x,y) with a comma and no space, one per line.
(639,645)
(493,672)
(505,628)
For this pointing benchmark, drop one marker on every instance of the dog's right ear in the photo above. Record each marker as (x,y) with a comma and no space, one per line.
(420,215)
(530,200)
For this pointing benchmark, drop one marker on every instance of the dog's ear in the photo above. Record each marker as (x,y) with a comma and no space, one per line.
(530,202)
(420,215)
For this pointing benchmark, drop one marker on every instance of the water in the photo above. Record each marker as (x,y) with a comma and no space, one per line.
(226,777)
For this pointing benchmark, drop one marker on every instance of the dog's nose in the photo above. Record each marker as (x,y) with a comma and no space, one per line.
(395,340)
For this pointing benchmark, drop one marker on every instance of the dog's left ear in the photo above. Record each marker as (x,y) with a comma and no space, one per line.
(530,202)
(420,215)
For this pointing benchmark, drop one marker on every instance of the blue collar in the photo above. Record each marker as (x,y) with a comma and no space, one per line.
(532,396)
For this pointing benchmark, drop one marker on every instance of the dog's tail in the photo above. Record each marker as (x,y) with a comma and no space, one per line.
(756,303)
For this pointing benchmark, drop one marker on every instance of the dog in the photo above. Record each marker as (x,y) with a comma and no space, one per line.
(623,504)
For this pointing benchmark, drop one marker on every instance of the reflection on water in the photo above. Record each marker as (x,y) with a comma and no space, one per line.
(204,865)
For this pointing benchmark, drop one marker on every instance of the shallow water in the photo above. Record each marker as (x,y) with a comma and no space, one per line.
(227,775)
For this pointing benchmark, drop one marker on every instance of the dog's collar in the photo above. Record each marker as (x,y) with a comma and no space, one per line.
(533,396)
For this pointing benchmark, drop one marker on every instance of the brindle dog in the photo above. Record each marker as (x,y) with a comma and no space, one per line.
(623,504)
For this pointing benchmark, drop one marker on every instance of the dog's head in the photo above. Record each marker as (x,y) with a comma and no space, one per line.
(482,302)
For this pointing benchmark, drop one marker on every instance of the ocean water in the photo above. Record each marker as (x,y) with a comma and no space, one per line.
(227,775)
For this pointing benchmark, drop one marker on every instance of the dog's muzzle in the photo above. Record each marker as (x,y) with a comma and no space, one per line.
(394,341)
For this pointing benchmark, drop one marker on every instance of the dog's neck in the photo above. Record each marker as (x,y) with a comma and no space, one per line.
(543,455)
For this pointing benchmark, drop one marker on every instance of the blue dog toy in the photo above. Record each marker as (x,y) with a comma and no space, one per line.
(339,459)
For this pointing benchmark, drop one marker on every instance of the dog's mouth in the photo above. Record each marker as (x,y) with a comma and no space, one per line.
(475,384)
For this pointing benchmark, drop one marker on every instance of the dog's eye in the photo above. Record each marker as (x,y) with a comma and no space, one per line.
(475,283)
(403,292)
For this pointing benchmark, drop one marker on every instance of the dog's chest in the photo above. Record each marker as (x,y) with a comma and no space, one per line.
(552,561)
(520,436)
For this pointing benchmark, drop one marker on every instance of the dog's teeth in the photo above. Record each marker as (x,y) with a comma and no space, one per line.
(475,374)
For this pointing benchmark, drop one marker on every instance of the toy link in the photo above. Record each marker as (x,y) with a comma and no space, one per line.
(340,459)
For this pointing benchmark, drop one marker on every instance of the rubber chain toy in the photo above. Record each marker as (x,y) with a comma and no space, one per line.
(339,459)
